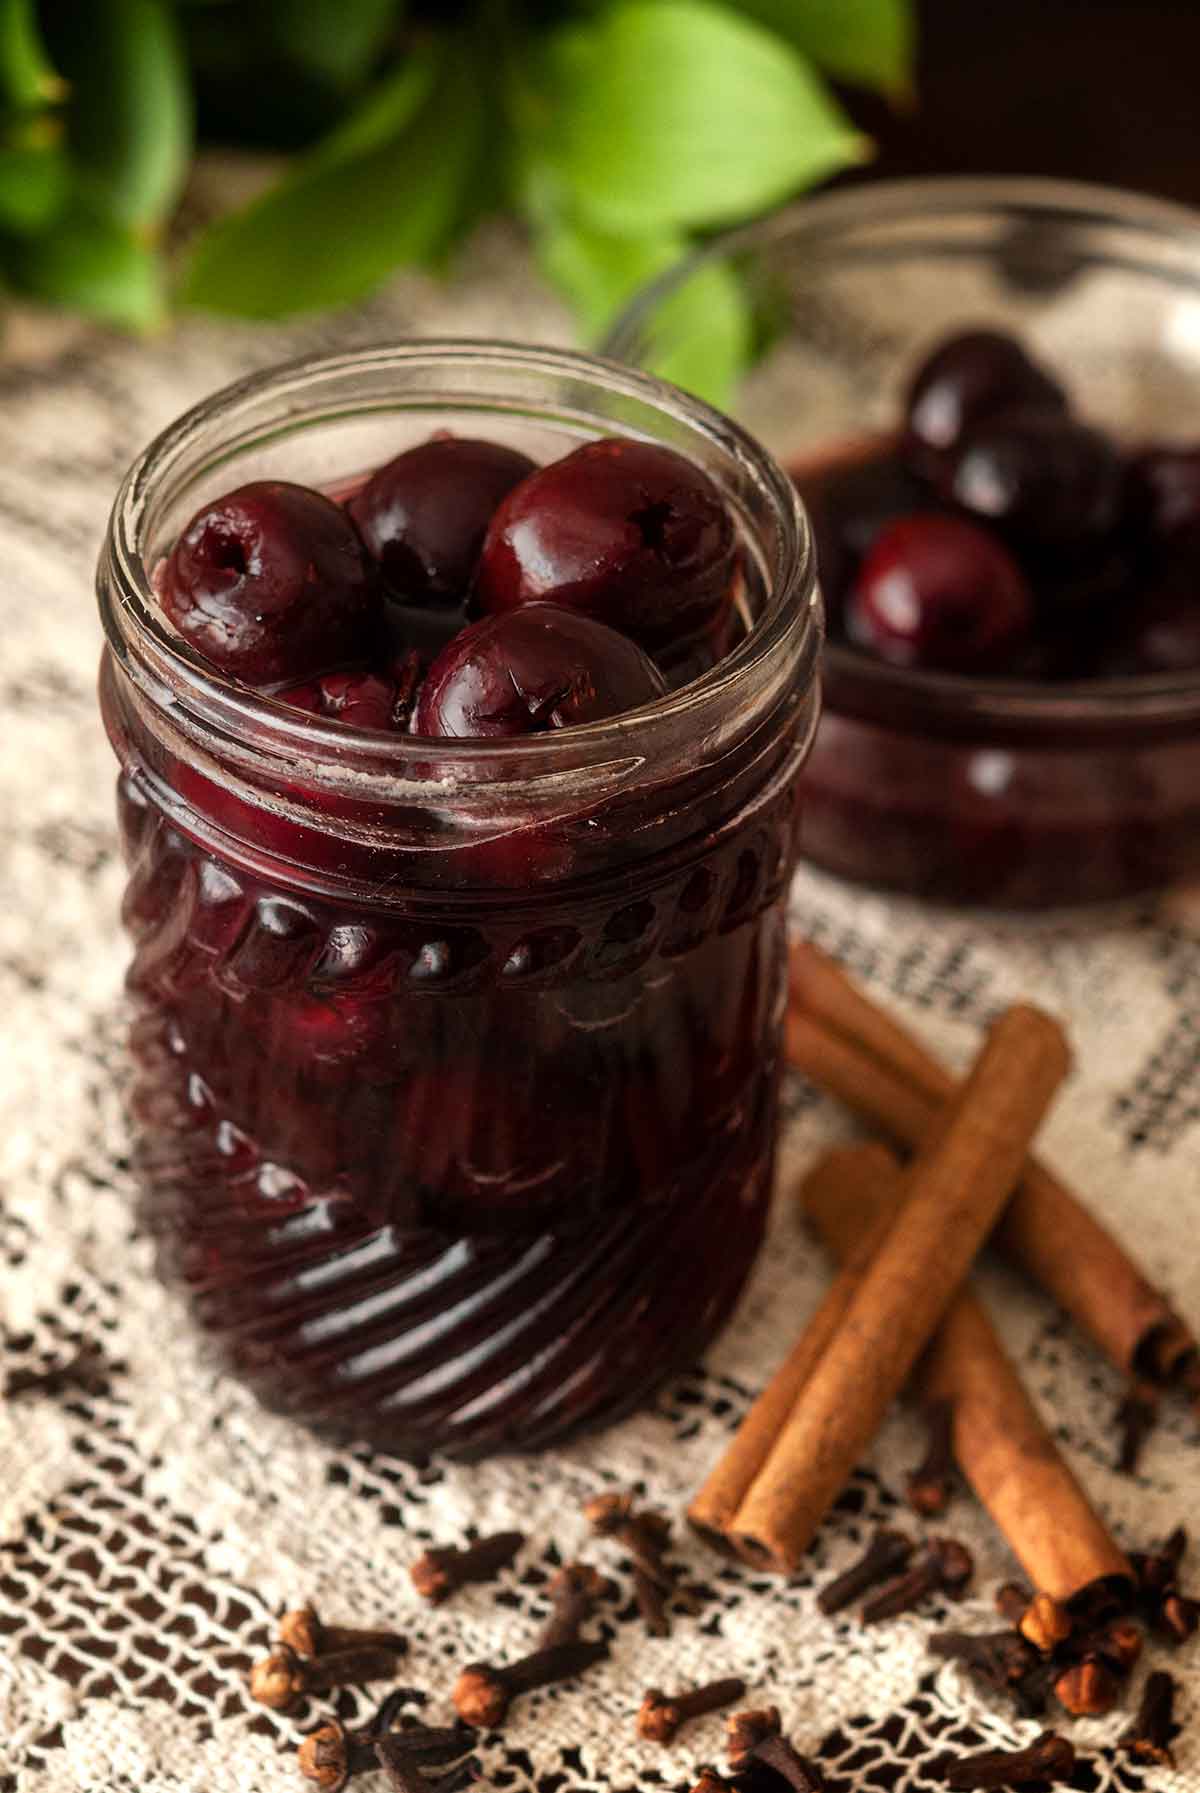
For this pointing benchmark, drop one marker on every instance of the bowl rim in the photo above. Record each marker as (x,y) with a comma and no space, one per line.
(855,682)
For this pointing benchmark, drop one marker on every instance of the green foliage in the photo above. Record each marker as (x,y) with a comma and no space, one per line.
(678,113)
(619,131)
(390,188)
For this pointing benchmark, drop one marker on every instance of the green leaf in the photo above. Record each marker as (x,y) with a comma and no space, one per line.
(129,118)
(27,79)
(599,271)
(89,263)
(392,186)
(867,42)
(33,187)
(681,113)
(704,335)
(334,39)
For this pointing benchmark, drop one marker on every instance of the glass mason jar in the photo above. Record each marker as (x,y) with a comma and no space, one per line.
(963,789)
(456,1061)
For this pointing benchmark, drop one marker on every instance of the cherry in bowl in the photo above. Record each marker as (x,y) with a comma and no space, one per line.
(936,592)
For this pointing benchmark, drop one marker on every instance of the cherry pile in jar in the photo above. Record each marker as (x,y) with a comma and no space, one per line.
(999,534)
(477,1165)
(463,592)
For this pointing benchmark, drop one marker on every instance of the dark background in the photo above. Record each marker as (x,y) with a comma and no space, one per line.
(1102,90)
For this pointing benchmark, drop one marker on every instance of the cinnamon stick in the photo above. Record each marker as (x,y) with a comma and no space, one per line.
(958,1185)
(715,1507)
(998,1438)
(849,1045)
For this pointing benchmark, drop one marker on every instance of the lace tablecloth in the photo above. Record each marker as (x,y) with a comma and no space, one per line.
(149,1535)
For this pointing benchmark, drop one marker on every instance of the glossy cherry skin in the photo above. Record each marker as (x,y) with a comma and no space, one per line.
(271,583)
(967,378)
(1164,499)
(531,670)
(626,532)
(937,593)
(1044,480)
(359,699)
(849,500)
(424,515)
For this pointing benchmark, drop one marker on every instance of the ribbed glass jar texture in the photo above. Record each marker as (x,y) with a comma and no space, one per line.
(456,1062)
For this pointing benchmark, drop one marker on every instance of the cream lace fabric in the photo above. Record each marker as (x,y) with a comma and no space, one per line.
(150,1534)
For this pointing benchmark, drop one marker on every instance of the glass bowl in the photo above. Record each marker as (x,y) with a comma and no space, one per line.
(961,789)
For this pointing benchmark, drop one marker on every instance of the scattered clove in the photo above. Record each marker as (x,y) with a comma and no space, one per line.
(1087,1689)
(1119,1644)
(1157,1570)
(441,1569)
(1149,1736)
(932,1482)
(331,1755)
(1136,1416)
(404,1758)
(484,1691)
(645,1535)
(574,1592)
(1000,1659)
(661,1715)
(945,1568)
(709,1781)
(282,1679)
(1048,1758)
(1013,1601)
(1045,1624)
(1177,1617)
(885,1555)
(756,1736)
(303,1632)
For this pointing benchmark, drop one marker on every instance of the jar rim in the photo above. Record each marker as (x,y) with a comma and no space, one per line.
(1135,701)
(169,671)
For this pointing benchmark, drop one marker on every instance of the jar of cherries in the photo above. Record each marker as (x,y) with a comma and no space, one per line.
(459,694)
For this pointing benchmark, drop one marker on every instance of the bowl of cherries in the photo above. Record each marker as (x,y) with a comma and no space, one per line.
(988,394)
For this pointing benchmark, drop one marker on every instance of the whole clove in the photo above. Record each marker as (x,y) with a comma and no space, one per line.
(945,1567)
(757,1736)
(662,1715)
(1149,1737)
(644,1535)
(282,1679)
(574,1591)
(932,1482)
(1119,1644)
(331,1755)
(1048,1758)
(1000,1659)
(1087,1689)
(709,1781)
(443,1568)
(1177,1617)
(404,1760)
(1045,1624)
(1013,1601)
(886,1554)
(1135,1419)
(484,1691)
(303,1632)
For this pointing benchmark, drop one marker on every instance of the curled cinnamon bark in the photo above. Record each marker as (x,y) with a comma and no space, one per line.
(999,1441)
(956,1189)
(850,1046)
